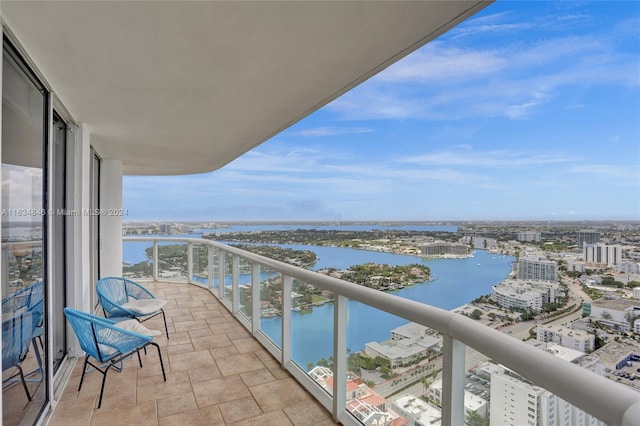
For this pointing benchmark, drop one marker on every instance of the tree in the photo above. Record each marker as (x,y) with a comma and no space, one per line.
(476,314)
(605,315)
(526,315)
(631,317)
(475,419)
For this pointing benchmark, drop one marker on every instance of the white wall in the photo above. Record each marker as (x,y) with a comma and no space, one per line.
(79,155)
(110,219)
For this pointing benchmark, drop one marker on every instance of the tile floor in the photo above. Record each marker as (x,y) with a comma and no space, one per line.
(217,374)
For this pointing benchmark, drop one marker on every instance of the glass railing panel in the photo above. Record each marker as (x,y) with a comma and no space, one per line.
(214,267)
(172,261)
(137,259)
(312,328)
(228,277)
(245,294)
(271,304)
(388,357)
(200,267)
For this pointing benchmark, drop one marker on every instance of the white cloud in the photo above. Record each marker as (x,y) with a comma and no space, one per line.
(524,109)
(619,174)
(332,131)
(492,159)
(436,62)
(443,81)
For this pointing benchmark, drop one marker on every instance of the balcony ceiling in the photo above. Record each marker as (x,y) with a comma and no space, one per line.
(186,87)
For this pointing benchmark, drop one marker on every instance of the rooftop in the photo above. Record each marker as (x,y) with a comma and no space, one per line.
(567,354)
(614,352)
(216,374)
(567,331)
(616,304)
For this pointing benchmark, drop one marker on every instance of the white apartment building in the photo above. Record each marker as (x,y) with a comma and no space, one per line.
(414,331)
(636,292)
(579,340)
(517,402)
(516,297)
(482,243)
(512,293)
(397,353)
(537,269)
(629,267)
(409,343)
(471,402)
(614,313)
(602,255)
(575,266)
(442,248)
(529,236)
(416,411)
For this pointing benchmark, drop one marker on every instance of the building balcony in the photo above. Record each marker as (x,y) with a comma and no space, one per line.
(217,373)
(227,363)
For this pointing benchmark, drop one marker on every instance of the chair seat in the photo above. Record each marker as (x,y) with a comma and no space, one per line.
(107,351)
(136,327)
(144,306)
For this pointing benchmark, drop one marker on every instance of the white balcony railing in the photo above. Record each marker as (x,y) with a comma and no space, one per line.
(598,396)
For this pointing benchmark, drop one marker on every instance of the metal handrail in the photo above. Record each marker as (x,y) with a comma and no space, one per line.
(602,398)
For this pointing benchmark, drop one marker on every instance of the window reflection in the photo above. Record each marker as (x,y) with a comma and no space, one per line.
(23,266)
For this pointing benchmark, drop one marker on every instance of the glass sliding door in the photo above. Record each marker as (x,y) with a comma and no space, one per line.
(24,261)
(94,226)
(57,206)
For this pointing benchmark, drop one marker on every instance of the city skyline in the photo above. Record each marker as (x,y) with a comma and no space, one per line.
(527,111)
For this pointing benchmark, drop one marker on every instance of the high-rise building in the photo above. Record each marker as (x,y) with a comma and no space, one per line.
(588,236)
(602,255)
(442,248)
(165,228)
(529,236)
(517,402)
(537,269)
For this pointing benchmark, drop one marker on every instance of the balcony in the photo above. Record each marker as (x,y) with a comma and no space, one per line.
(217,373)
(225,363)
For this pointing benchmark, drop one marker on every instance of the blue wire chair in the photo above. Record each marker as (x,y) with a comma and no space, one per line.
(17,333)
(102,340)
(29,299)
(120,297)
(17,301)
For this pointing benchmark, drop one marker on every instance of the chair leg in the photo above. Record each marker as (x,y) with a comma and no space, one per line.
(84,369)
(164,376)
(140,359)
(166,330)
(24,384)
(36,351)
(104,380)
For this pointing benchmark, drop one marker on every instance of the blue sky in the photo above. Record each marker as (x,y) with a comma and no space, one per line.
(527,111)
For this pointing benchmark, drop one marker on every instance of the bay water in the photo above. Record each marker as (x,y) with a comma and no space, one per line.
(454,282)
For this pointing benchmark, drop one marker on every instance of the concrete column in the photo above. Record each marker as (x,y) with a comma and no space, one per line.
(110,218)
(78,245)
